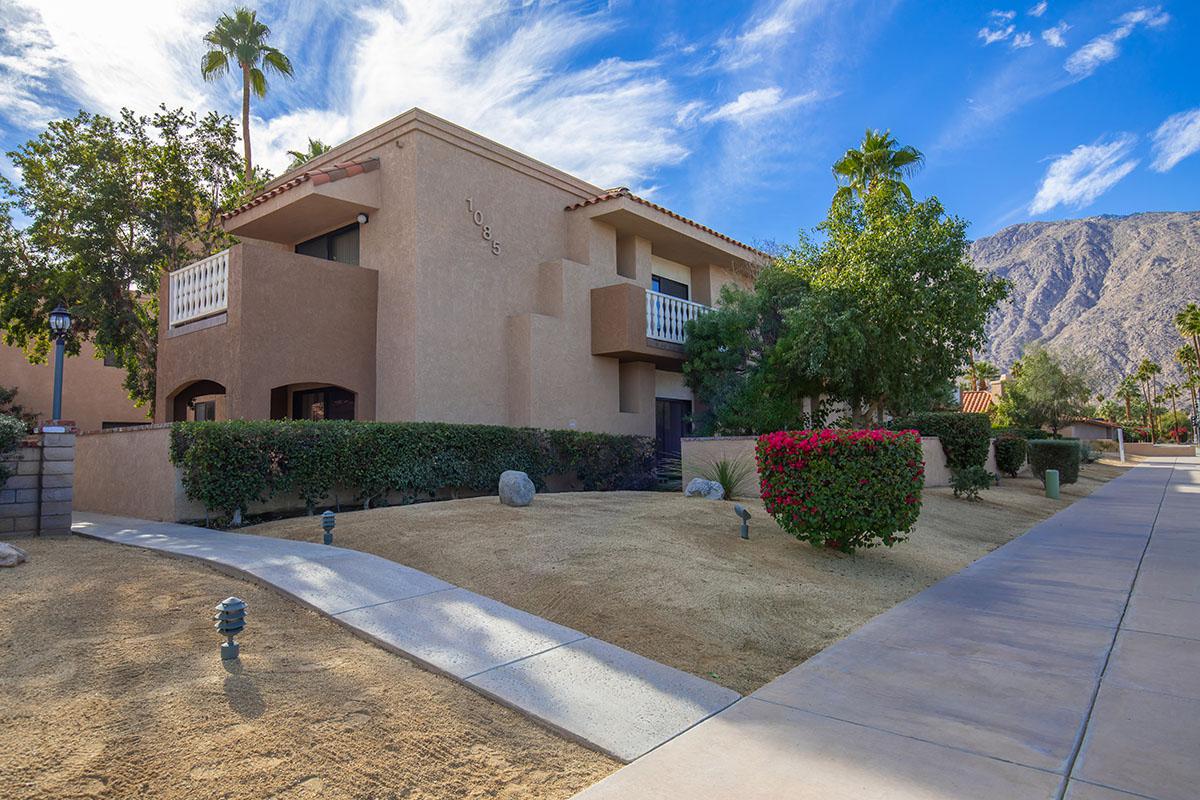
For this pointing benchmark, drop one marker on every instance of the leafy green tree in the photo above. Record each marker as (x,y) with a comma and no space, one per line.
(1051,390)
(242,40)
(110,204)
(1188,323)
(301,157)
(1172,392)
(878,163)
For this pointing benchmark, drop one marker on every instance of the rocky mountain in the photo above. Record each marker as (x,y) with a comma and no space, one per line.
(1103,287)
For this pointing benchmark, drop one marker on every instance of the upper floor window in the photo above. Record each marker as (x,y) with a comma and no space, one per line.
(669,287)
(340,245)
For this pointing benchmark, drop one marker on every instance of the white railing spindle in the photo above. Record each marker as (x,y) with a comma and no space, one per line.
(199,290)
(666,316)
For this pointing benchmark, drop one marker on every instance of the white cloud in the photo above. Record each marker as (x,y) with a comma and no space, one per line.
(1104,48)
(1038,9)
(1002,16)
(993,35)
(1079,177)
(1022,40)
(1176,139)
(757,103)
(765,32)
(1054,36)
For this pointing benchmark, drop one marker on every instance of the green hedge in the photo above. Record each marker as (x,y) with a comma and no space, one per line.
(1024,433)
(842,489)
(965,437)
(12,431)
(1010,454)
(228,465)
(1059,454)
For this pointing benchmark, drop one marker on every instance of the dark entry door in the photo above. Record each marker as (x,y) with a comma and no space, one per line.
(671,425)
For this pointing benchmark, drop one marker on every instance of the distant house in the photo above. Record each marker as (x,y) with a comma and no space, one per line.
(978,402)
(1089,429)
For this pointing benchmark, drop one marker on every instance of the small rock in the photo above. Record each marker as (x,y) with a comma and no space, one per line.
(516,489)
(10,555)
(710,490)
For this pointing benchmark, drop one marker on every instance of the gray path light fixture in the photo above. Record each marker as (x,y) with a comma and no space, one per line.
(60,326)
(744,515)
(327,523)
(231,620)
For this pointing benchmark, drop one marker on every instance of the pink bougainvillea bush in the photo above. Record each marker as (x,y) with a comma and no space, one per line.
(841,488)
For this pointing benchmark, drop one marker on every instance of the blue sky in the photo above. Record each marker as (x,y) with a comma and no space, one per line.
(728,112)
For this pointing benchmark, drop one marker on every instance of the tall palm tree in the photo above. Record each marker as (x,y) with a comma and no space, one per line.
(301,157)
(876,163)
(1146,372)
(1171,392)
(1188,323)
(1128,391)
(242,39)
(980,373)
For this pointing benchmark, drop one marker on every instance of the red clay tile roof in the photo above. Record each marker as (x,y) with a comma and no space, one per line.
(343,169)
(621,191)
(977,402)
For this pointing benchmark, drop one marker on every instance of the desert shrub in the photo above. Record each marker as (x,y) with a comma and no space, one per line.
(840,488)
(1010,454)
(1059,454)
(964,437)
(731,473)
(228,465)
(968,481)
(12,430)
(1023,433)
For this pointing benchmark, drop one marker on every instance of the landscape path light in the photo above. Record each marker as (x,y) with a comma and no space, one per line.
(744,515)
(327,523)
(231,620)
(60,326)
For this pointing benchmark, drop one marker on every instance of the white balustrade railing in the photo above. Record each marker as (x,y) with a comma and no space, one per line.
(665,316)
(199,290)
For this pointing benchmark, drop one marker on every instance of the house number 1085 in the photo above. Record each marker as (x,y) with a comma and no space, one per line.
(484,230)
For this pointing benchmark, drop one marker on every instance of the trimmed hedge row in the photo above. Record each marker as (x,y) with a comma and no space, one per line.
(228,465)
(1059,454)
(965,437)
(842,489)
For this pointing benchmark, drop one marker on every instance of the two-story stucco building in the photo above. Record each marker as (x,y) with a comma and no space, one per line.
(422,272)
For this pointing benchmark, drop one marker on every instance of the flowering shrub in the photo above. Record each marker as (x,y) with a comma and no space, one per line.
(840,488)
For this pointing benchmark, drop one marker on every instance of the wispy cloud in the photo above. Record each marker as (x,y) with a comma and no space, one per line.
(1105,48)
(756,103)
(1002,16)
(1176,138)
(1055,37)
(1079,177)
(765,31)
(1038,9)
(998,34)
(1021,41)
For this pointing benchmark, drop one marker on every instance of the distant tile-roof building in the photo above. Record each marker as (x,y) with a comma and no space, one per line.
(978,402)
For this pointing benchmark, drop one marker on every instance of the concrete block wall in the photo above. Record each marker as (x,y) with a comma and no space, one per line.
(36,498)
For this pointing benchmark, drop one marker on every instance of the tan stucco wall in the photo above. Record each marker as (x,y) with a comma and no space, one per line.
(129,473)
(1166,450)
(92,392)
(700,451)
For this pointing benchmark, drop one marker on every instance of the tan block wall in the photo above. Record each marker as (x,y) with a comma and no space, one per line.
(699,451)
(128,473)
(92,392)
(1162,450)
(36,498)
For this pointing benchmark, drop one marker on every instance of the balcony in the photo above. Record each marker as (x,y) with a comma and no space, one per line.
(631,323)
(200,290)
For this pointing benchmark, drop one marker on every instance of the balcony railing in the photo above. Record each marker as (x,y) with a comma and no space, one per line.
(199,290)
(666,315)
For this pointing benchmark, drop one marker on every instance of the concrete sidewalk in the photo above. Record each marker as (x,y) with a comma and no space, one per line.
(611,699)
(1065,664)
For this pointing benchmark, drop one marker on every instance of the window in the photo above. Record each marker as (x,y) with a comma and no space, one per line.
(669,287)
(340,245)
(205,411)
(327,403)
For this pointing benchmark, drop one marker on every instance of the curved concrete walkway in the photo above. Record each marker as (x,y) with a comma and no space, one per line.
(611,699)
(1065,664)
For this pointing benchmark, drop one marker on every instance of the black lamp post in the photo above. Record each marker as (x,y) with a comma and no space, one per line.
(60,326)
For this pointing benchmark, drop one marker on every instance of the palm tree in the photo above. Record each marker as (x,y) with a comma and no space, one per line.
(1171,392)
(301,157)
(877,162)
(242,39)
(1145,374)
(1128,391)
(980,373)
(1188,323)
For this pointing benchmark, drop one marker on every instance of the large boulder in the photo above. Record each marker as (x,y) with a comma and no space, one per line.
(10,555)
(710,490)
(516,489)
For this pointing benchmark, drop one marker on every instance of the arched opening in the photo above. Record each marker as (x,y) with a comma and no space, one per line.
(314,401)
(202,401)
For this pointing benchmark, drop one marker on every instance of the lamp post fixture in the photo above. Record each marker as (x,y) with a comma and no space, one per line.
(231,620)
(60,326)
(327,523)
(744,516)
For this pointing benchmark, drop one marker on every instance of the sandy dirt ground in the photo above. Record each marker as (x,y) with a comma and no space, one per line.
(667,576)
(113,687)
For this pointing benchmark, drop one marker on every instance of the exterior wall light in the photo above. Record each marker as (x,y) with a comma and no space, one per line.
(60,326)
(362,219)
(327,523)
(231,620)
(744,515)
